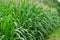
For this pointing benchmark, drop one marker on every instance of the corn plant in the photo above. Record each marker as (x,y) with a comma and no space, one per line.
(24,20)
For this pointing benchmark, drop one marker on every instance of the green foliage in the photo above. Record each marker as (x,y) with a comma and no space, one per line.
(26,21)
(52,3)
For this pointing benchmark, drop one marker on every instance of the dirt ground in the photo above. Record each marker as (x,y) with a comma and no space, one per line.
(54,38)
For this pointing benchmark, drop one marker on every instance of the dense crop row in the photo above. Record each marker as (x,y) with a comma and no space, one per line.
(26,21)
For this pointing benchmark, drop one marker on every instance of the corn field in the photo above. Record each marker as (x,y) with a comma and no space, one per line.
(24,20)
